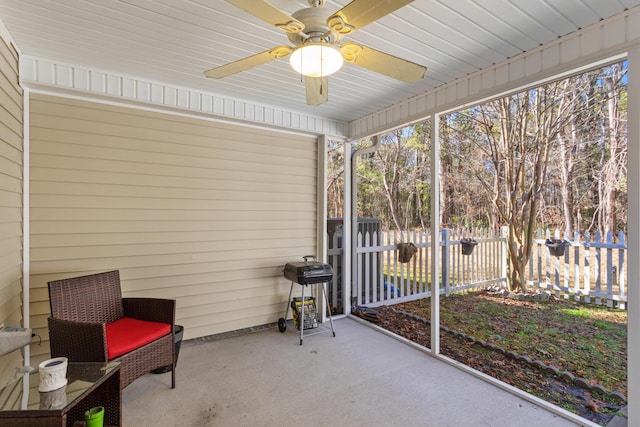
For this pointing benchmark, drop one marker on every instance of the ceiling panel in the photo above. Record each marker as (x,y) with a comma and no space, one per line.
(548,16)
(174,42)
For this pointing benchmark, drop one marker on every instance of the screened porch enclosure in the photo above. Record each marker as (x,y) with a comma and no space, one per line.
(32,255)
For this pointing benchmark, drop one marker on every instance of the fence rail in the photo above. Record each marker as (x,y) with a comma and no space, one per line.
(591,269)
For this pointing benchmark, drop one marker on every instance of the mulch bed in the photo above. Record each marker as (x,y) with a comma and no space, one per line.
(596,407)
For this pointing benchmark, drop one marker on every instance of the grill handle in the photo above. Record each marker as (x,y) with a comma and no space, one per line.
(306,257)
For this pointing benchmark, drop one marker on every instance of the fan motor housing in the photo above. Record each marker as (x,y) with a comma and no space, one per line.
(315,27)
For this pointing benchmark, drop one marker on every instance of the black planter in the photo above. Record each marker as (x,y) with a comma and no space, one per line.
(406,251)
(556,246)
(178,332)
(467,246)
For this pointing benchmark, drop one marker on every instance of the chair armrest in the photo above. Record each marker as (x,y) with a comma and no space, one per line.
(78,341)
(151,309)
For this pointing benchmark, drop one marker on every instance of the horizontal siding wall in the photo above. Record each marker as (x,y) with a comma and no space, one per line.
(11,143)
(203,212)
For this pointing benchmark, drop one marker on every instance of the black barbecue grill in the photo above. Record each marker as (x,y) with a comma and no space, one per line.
(308,273)
(303,309)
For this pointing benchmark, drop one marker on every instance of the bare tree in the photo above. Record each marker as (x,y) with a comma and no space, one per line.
(420,174)
(614,168)
(519,132)
(335,180)
(391,173)
(496,169)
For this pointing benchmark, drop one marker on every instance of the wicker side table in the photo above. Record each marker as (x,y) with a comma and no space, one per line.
(89,384)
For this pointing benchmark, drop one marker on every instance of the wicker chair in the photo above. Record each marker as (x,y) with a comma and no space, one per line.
(81,307)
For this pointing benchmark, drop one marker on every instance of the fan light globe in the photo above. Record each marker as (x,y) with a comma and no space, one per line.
(316,60)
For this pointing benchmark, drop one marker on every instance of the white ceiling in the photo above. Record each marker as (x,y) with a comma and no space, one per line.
(174,41)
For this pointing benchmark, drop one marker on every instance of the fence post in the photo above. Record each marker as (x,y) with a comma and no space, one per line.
(504,233)
(576,265)
(621,268)
(446,245)
(587,267)
(358,284)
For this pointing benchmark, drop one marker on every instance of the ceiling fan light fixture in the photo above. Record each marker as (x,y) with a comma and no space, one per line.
(316,60)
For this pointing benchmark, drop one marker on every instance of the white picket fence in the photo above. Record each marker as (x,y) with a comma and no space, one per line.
(591,270)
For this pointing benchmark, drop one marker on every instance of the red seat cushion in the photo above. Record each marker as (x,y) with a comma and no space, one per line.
(127,334)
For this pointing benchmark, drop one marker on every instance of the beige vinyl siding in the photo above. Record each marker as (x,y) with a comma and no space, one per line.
(200,211)
(11,143)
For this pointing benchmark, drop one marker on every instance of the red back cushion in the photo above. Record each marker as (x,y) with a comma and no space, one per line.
(127,334)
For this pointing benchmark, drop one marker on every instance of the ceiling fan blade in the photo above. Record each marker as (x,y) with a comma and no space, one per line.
(317,90)
(383,63)
(359,13)
(249,62)
(269,13)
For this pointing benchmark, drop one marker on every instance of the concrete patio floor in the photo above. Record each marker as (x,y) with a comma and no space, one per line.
(361,377)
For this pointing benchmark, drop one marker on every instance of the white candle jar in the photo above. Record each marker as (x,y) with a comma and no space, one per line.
(53,374)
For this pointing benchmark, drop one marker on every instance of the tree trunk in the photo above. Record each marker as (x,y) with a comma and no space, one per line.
(567,168)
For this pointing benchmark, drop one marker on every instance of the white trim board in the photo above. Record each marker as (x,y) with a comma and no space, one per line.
(43,75)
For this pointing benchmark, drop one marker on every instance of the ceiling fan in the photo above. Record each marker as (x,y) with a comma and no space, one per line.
(318,51)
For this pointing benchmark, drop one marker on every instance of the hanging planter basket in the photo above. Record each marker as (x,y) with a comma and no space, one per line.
(406,251)
(467,246)
(556,246)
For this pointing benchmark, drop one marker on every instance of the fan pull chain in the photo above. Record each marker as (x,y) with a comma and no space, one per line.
(321,68)
(321,61)
(301,62)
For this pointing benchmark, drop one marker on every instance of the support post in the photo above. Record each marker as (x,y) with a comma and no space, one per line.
(346,232)
(633,272)
(321,244)
(435,240)
(353,156)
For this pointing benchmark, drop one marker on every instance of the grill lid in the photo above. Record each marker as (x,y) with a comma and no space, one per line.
(308,272)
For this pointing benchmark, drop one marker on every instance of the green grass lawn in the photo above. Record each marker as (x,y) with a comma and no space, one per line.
(586,340)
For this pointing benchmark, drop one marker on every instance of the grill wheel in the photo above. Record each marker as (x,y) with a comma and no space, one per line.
(282,325)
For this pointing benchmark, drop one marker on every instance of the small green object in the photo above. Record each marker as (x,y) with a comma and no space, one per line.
(94,417)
